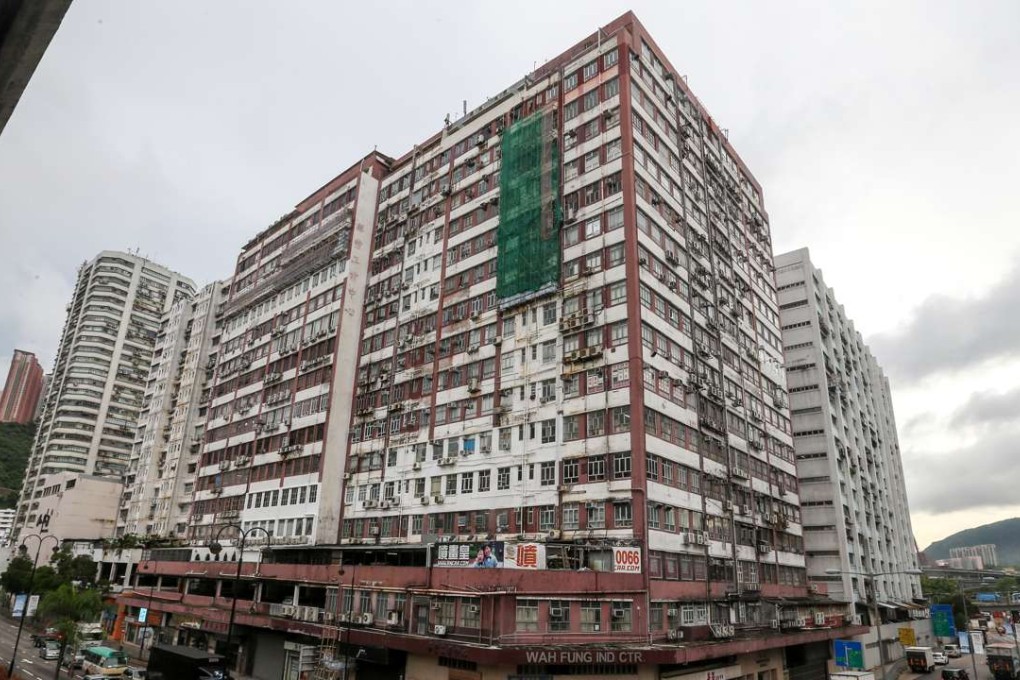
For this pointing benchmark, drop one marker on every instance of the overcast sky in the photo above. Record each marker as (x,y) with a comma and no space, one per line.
(884,135)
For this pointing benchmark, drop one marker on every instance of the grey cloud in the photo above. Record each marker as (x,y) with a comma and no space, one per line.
(986,408)
(982,475)
(947,334)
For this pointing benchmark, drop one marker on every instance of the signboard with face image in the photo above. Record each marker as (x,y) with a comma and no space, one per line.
(487,555)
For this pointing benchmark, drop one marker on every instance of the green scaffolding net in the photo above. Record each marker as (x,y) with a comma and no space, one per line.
(529,210)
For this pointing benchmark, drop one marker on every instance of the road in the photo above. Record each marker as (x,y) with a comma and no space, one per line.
(964,662)
(29,664)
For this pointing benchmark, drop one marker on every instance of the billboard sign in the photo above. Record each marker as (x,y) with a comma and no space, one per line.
(19,605)
(943,621)
(524,556)
(487,555)
(964,639)
(907,637)
(848,653)
(627,560)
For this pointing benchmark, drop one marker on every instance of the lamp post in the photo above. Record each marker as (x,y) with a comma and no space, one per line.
(216,548)
(873,604)
(28,598)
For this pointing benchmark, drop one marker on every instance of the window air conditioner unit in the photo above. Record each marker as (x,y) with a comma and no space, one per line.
(367,619)
(675,634)
(439,630)
(393,619)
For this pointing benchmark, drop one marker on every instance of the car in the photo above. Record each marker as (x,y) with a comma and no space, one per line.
(955,674)
(939,657)
(953,651)
(136,674)
(50,652)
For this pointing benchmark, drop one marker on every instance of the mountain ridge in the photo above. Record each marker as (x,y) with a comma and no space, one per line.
(1005,534)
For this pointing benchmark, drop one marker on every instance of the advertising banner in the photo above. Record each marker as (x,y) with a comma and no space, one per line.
(907,637)
(19,605)
(627,560)
(524,556)
(33,604)
(942,620)
(964,639)
(480,555)
(978,642)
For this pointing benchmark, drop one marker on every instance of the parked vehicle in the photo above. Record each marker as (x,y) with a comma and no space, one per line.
(852,675)
(1003,661)
(136,674)
(940,657)
(955,674)
(920,659)
(174,662)
(104,661)
(953,651)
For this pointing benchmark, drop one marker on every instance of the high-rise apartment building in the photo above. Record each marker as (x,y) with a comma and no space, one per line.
(22,390)
(986,551)
(96,392)
(160,481)
(287,352)
(569,449)
(853,495)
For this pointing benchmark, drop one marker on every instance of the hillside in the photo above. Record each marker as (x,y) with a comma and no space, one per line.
(15,445)
(1004,534)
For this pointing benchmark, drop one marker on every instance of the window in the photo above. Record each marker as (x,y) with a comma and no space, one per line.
(571,472)
(503,479)
(451,485)
(596,468)
(549,431)
(571,428)
(621,465)
(548,474)
(590,71)
(549,352)
(527,615)
(621,419)
(484,480)
(610,58)
(571,516)
(621,616)
(622,516)
(559,615)
(467,482)
(596,516)
(470,611)
(596,423)
(549,314)
(591,617)
(570,82)
(546,518)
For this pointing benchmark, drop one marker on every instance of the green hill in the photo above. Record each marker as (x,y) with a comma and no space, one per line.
(15,446)
(1004,534)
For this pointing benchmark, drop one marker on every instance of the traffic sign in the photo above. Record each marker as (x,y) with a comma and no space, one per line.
(849,654)
(943,621)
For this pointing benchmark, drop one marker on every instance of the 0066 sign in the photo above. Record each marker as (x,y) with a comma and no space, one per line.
(627,560)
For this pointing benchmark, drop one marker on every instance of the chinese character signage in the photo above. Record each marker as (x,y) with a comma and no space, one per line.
(480,555)
(942,620)
(627,560)
(525,556)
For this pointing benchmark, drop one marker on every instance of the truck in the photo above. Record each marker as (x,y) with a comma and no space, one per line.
(177,662)
(920,659)
(852,675)
(1003,661)
(987,597)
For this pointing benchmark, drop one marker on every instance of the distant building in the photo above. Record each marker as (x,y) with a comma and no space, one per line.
(6,523)
(986,551)
(74,506)
(854,502)
(95,398)
(20,398)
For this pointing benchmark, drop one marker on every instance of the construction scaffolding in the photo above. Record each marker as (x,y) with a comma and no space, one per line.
(530,212)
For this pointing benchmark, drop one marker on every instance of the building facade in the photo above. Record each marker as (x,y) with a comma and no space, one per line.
(20,398)
(97,389)
(853,495)
(160,482)
(986,552)
(563,446)
(287,351)
(75,507)
(6,525)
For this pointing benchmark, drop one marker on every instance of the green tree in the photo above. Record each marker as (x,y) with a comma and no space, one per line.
(16,578)
(80,569)
(64,608)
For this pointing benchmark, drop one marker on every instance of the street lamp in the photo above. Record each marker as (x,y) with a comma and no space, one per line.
(873,604)
(28,598)
(216,548)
